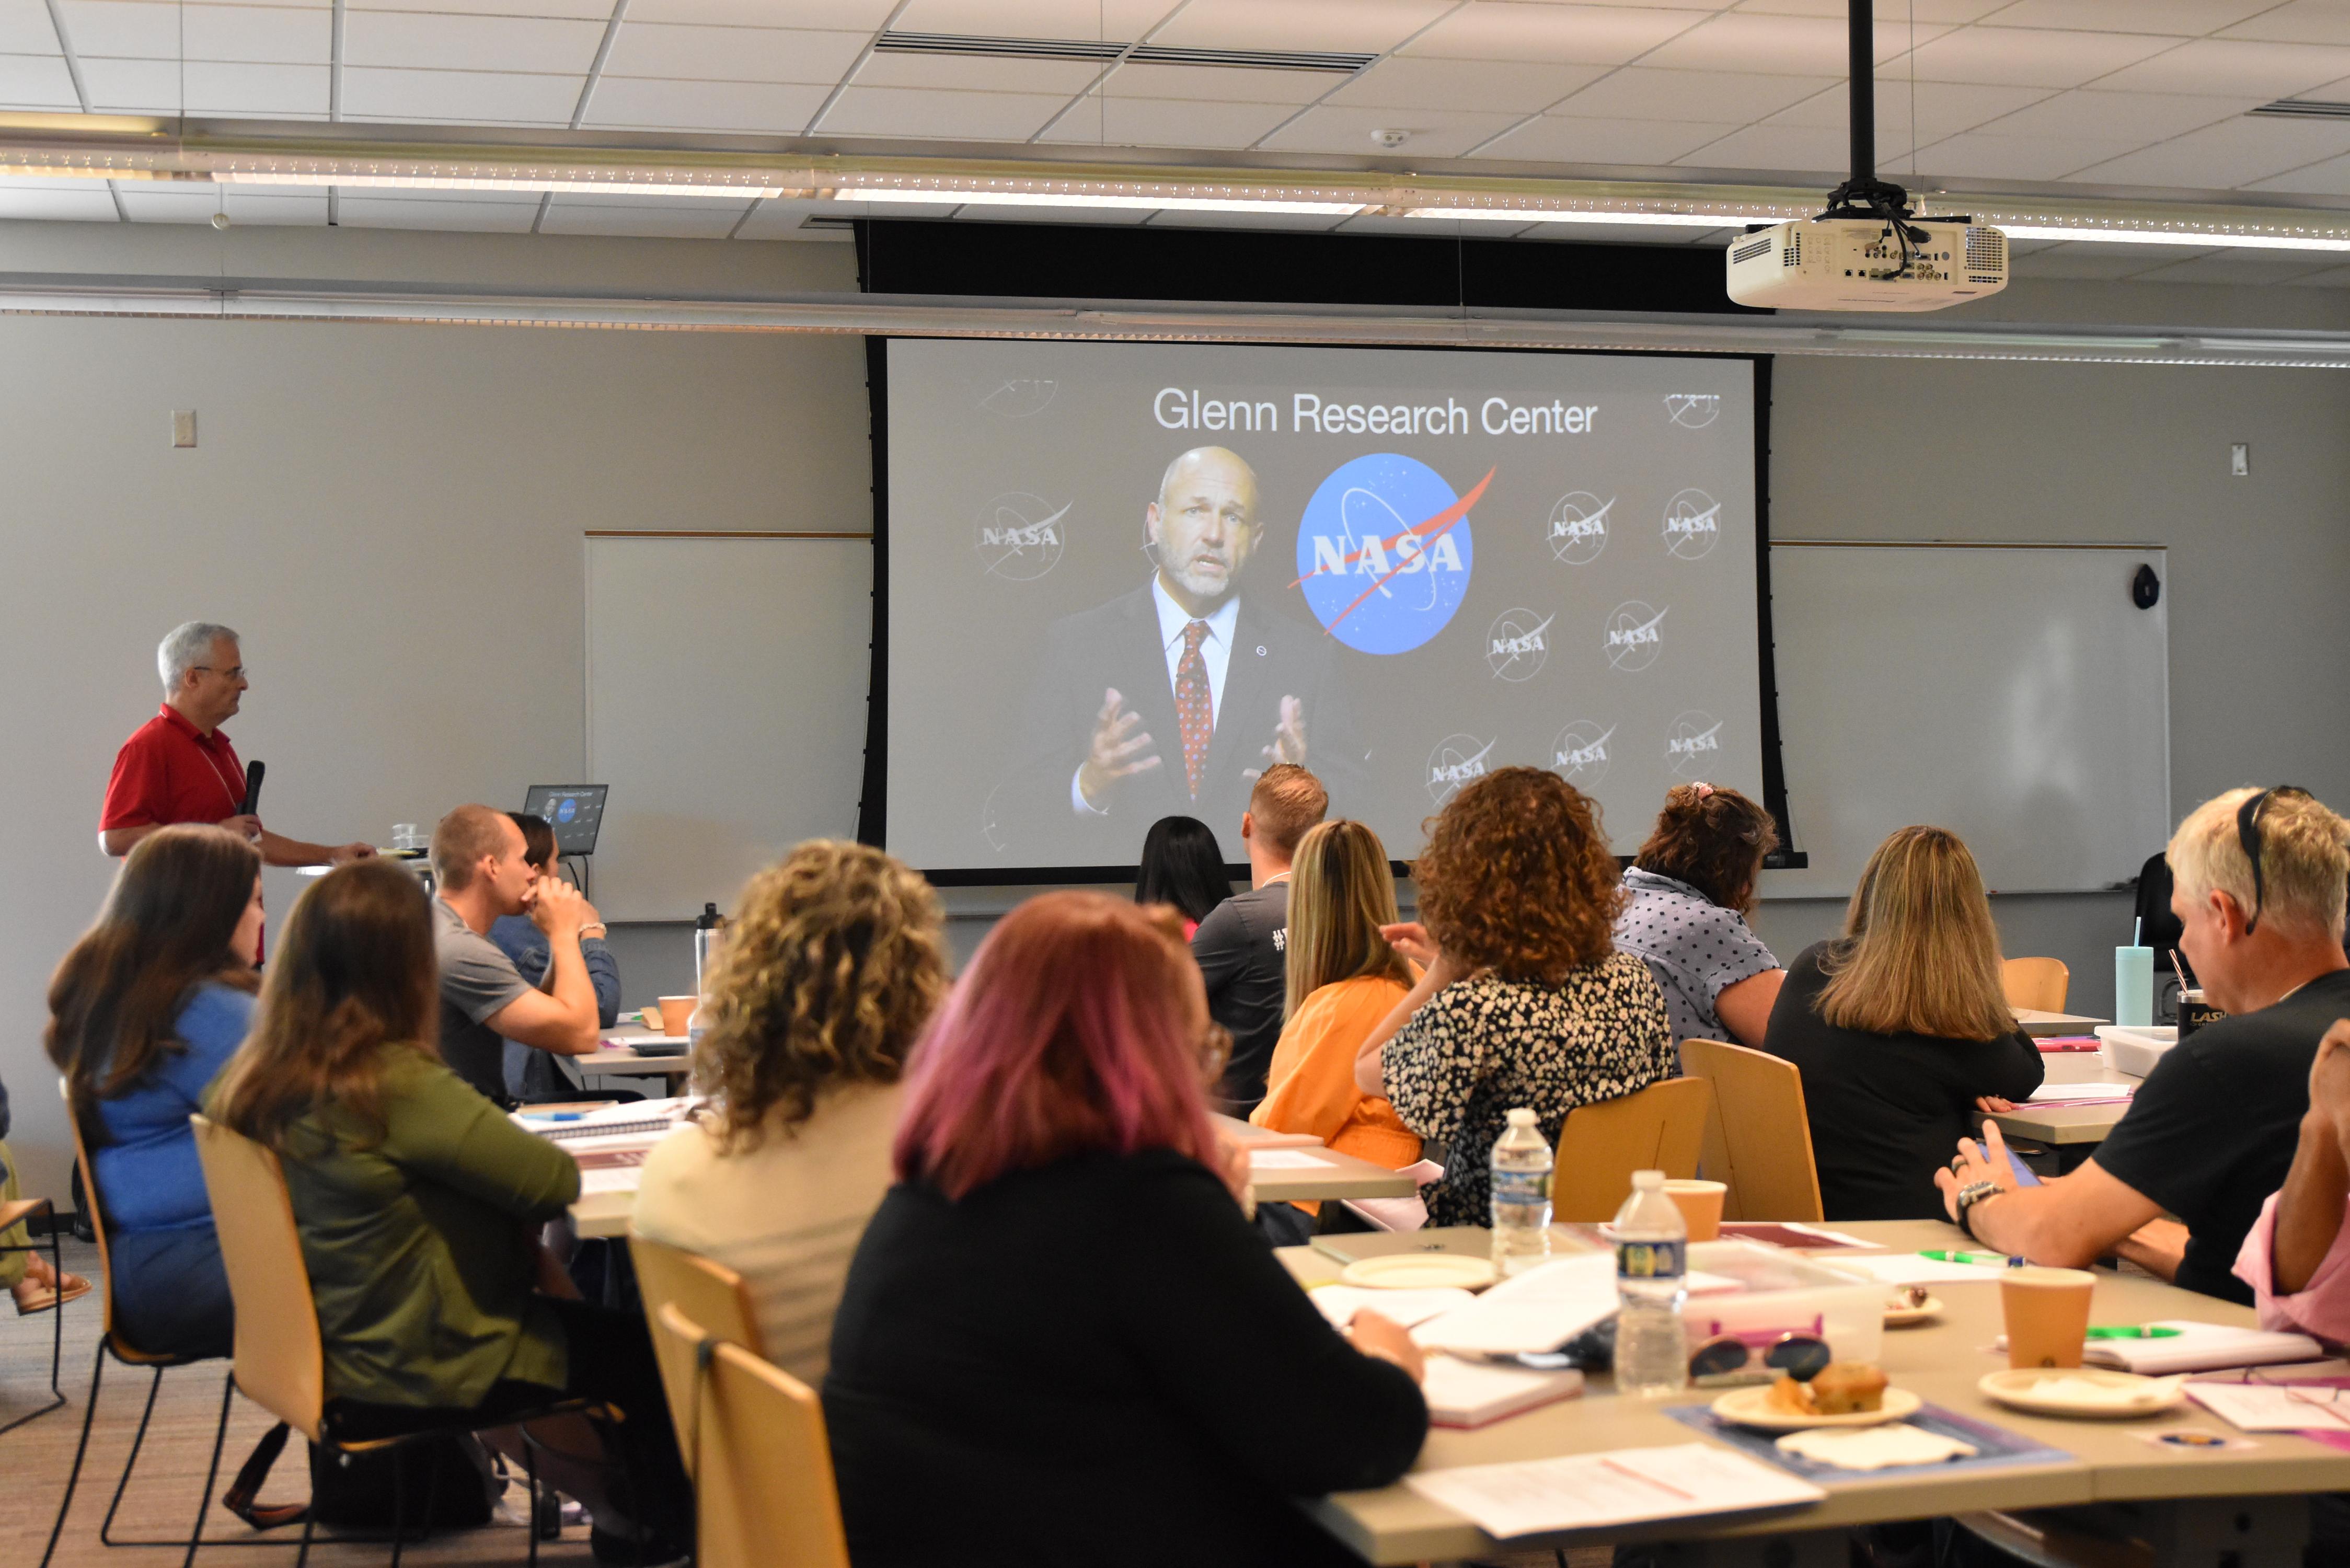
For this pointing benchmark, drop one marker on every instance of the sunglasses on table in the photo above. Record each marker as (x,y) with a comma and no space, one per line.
(1756,1357)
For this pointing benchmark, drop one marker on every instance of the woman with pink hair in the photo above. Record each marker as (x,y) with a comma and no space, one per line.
(1059,1334)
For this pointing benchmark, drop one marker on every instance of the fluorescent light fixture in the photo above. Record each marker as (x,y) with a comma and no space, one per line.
(1094,199)
(560,185)
(2307,242)
(1557,215)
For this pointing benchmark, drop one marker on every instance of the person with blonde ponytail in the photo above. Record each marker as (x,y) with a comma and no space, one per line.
(1901,1029)
(832,965)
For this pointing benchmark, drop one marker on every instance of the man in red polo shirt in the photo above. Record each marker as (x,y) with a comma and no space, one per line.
(179,765)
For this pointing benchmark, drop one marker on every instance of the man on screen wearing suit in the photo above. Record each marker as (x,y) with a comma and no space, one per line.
(1171,699)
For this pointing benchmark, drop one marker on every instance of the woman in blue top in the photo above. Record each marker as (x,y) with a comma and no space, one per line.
(144,1011)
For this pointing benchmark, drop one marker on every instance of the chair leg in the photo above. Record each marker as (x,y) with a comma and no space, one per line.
(57,1330)
(211,1476)
(73,1476)
(122,1483)
(309,1526)
(398,1497)
(530,1464)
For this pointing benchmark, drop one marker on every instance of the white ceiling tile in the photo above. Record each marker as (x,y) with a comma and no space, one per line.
(1368,26)
(2118,116)
(1234,84)
(853,15)
(1553,139)
(962,73)
(2330,178)
(1941,108)
(2024,57)
(2218,157)
(1409,82)
(210,88)
(1166,122)
(25,28)
(418,213)
(486,96)
(678,220)
(2299,22)
(771,109)
(1950,11)
(910,111)
(2088,261)
(777,219)
(1795,149)
(1977,155)
(421,41)
(2329,277)
(272,210)
(594,11)
(75,200)
(1799,46)
(732,54)
(2185,18)
(2238,268)
(1435,133)
(1636,92)
(36,81)
(2259,71)
(1122,20)
(1580,35)
(142,29)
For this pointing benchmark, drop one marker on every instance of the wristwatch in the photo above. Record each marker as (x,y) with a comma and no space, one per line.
(1972,1193)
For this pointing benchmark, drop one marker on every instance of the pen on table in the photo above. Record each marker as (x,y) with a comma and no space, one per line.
(1999,1259)
(556,1116)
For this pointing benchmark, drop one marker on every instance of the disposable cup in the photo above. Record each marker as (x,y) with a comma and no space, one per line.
(676,1010)
(2047,1312)
(1700,1206)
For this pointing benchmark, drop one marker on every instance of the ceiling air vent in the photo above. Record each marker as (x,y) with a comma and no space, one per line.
(2305,109)
(1110,49)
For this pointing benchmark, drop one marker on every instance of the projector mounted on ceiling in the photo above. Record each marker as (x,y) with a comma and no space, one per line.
(1869,251)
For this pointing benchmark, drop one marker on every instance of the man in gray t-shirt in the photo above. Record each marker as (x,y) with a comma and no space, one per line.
(477,860)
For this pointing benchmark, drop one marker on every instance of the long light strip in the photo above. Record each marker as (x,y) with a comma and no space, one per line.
(1555,215)
(942,197)
(523,183)
(2202,240)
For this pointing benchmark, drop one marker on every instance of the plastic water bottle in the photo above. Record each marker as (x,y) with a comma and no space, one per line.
(1652,1285)
(1521,1175)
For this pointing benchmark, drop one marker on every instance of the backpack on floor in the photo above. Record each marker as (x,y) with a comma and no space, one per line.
(451,1473)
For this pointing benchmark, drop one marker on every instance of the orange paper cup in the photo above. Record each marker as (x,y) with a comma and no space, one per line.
(675,1012)
(1700,1206)
(2047,1312)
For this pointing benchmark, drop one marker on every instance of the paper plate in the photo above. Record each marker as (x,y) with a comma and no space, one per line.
(1753,1408)
(1419,1272)
(2071,1391)
(1910,1316)
(1877,1449)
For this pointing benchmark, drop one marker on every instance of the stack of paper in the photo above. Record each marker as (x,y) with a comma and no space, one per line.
(1592,1491)
(2081,1094)
(1340,1303)
(2200,1347)
(2275,1408)
(1469,1394)
(1536,1311)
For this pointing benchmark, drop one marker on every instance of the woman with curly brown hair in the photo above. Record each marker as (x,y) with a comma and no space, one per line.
(834,963)
(1523,998)
(1688,895)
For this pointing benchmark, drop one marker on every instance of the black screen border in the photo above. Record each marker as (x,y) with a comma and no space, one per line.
(872,809)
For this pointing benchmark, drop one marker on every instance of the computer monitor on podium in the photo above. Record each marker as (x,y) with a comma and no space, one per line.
(576,811)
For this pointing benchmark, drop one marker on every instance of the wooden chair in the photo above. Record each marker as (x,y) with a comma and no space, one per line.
(763,1488)
(1660,1127)
(281,1361)
(1758,1139)
(2038,984)
(705,1293)
(112,1343)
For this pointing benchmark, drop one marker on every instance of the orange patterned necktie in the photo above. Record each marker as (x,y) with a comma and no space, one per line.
(1193,705)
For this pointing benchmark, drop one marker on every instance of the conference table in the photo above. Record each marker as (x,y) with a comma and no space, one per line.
(2074,1129)
(613,1058)
(2243,1505)
(2039,1025)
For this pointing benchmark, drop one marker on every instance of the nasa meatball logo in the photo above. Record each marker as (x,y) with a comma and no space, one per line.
(1517,644)
(1695,737)
(1456,760)
(1692,525)
(1385,553)
(1579,756)
(1578,527)
(1693,411)
(1019,536)
(1635,635)
(567,809)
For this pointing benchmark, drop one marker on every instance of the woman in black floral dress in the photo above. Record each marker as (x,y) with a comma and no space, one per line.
(1523,1000)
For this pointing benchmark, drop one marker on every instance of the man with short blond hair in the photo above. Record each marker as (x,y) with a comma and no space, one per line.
(2260,877)
(1243,945)
(478,861)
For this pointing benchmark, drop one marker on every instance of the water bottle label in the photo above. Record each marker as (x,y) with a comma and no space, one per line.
(1651,1259)
(1521,1187)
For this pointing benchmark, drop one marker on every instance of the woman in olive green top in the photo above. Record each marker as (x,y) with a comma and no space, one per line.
(418,1205)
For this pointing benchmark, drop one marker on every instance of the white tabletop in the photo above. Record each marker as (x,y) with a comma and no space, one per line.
(2037,1023)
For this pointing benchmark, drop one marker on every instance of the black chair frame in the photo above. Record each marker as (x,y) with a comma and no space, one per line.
(27,1208)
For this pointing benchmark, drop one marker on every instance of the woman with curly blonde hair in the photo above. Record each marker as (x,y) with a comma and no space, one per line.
(1523,999)
(833,964)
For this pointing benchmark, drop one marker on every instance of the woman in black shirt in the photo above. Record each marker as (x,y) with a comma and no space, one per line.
(1901,1030)
(1061,1343)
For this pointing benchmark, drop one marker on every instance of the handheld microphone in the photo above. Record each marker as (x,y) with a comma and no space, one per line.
(252,775)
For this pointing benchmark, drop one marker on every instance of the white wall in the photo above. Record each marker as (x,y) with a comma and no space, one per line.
(392,517)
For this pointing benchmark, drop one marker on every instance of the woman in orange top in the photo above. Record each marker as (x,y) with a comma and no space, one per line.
(1343,979)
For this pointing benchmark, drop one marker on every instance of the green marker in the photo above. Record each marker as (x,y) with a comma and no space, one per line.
(1995,1260)
(2132,1331)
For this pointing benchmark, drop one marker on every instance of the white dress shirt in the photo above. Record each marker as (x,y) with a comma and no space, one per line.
(1216,651)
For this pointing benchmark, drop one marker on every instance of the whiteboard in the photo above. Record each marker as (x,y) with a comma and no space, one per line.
(726,694)
(2012,694)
